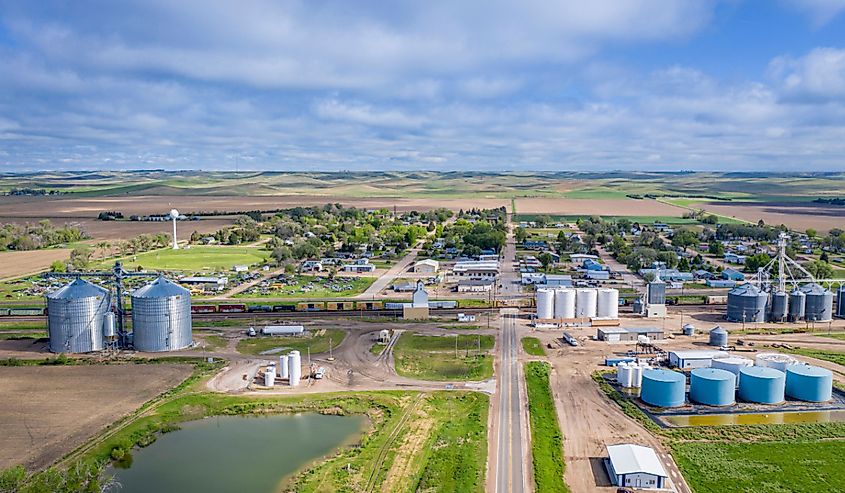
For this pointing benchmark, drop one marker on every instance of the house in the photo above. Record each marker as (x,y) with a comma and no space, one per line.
(206,283)
(476,269)
(240,268)
(312,266)
(475,285)
(426,266)
(635,466)
(534,245)
(579,258)
(703,274)
(532,278)
(733,275)
(404,287)
(733,258)
(597,275)
(486,257)
(361,265)
(591,264)
(531,261)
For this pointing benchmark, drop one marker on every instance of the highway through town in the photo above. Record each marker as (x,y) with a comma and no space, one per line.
(510,472)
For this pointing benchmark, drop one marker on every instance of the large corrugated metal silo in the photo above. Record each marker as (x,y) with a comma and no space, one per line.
(840,302)
(656,293)
(564,303)
(607,305)
(797,303)
(718,336)
(161,316)
(809,383)
(780,306)
(747,303)
(75,317)
(712,386)
(663,388)
(818,306)
(761,385)
(585,302)
(545,303)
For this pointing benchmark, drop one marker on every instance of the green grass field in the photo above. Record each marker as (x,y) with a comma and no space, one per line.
(773,467)
(434,358)
(839,335)
(197,258)
(306,287)
(317,344)
(533,346)
(546,437)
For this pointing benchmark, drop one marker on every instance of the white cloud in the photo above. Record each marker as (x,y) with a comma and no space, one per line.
(819,11)
(819,75)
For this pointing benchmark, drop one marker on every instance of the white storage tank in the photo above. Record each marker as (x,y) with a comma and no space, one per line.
(608,303)
(270,376)
(284,370)
(545,303)
(637,376)
(585,303)
(109,326)
(294,368)
(774,360)
(564,303)
(283,330)
(732,364)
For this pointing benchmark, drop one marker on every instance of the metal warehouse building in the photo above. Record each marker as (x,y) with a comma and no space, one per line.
(693,358)
(628,334)
(635,466)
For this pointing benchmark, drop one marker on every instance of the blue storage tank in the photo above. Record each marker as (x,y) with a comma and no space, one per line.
(762,385)
(809,383)
(712,386)
(718,336)
(663,388)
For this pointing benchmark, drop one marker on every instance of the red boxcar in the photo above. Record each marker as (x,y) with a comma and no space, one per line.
(203,309)
(232,308)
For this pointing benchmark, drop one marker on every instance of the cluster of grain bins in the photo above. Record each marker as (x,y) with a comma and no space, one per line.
(569,303)
(752,304)
(80,317)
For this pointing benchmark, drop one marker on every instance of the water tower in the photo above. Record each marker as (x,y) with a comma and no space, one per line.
(174,215)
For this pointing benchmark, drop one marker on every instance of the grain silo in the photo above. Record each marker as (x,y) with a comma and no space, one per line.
(564,303)
(161,316)
(688,330)
(761,385)
(585,303)
(818,306)
(840,302)
(663,388)
(656,294)
(712,386)
(607,305)
(780,306)
(809,383)
(797,303)
(545,303)
(76,315)
(747,303)
(718,336)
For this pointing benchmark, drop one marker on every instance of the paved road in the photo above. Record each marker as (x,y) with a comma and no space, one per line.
(388,277)
(510,473)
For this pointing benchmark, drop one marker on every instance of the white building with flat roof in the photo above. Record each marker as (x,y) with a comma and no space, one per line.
(635,466)
(695,358)
(476,269)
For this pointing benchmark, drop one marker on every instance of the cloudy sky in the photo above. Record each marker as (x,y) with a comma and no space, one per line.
(450,85)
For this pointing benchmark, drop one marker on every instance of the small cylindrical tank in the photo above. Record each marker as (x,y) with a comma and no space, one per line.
(809,383)
(294,368)
(270,376)
(284,368)
(718,336)
(712,386)
(762,385)
(689,329)
(780,306)
(663,388)
(797,304)
(564,303)
(637,376)
(545,303)
(109,326)
(585,303)
(747,303)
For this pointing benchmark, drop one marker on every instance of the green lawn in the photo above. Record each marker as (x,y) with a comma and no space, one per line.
(532,346)
(314,287)
(776,467)
(196,258)
(840,335)
(546,437)
(318,344)
(434,358)
(832,356)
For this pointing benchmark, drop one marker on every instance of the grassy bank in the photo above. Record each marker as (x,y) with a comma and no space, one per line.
(532,346)
(436,357)
(316,343)
(546,437)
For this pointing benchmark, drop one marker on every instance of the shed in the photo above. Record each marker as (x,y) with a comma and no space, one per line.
(635,466)
(427,266)
(693,358)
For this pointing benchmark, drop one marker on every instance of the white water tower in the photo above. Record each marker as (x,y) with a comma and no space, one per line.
(174,215)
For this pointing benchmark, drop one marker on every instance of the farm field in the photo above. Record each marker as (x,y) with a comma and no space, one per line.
(196,258)
(55,408)
(16,264)
(594,206)
(798,216)
(279,344)
(435,358)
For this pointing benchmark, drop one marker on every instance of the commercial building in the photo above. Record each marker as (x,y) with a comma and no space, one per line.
(693,358)
(628,334)
(635,466)
(475,285)
(476,269)
(427,266)
(360,266)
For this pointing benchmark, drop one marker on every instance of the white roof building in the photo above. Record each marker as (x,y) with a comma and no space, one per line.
(695,358)
(635,466)
(476,268)
(427,266)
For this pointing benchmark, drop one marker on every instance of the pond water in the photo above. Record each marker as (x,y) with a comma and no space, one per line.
(235,453)
(837,416)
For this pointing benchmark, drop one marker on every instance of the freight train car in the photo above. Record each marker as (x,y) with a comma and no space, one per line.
(310,307)
(203,308)
(240,308)
(339,305)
